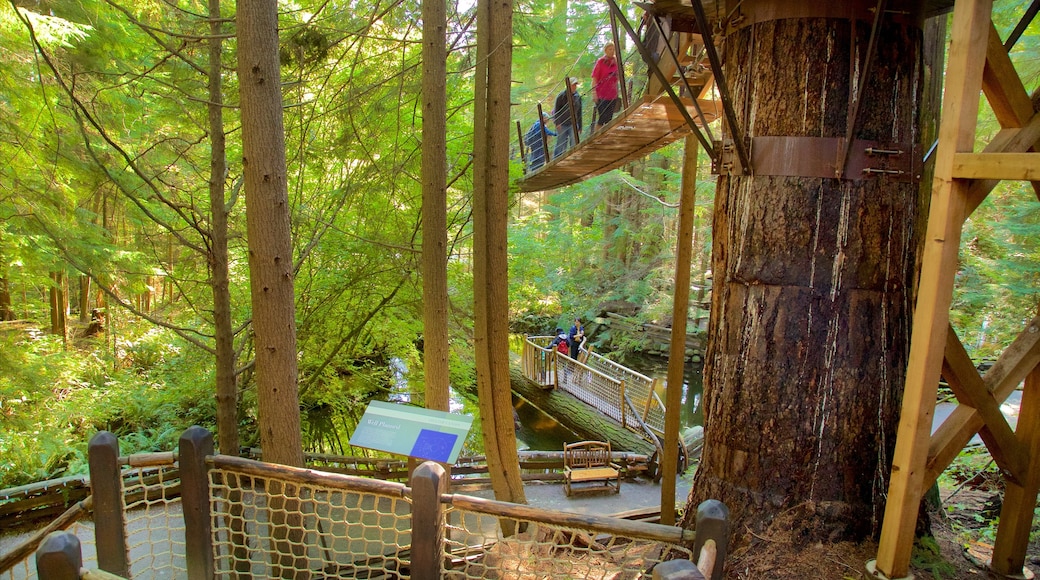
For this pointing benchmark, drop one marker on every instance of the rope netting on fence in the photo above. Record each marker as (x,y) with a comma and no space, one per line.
(267,525)
(541,548)
(149,512)
(220,516)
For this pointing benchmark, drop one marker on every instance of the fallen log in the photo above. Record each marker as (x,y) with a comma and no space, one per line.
(583,420)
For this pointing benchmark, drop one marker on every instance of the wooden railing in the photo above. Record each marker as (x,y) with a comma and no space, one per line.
(244,517)
(621,393)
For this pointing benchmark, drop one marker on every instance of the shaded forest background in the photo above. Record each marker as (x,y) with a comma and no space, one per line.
(107,234)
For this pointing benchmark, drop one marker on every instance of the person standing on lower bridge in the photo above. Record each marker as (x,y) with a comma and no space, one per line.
(576,337)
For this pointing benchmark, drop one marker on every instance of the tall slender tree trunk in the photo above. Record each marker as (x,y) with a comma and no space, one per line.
(227,386)
(271,269)
(811,306)
(84,299)
(267,226)
(59,302)
(490,213)
(434,205)
(6,311)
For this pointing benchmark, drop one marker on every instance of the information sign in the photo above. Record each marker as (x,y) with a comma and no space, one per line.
(412,431)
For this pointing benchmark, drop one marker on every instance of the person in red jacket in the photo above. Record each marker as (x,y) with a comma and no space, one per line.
(605,86)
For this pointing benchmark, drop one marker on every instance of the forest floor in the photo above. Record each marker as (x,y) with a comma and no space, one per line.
(962,530)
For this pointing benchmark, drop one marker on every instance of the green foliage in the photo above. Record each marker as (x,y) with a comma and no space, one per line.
(53,400)
(926,557)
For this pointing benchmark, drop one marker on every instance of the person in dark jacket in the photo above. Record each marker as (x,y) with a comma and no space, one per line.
(561,338)
(576,337)
(535,144)
(566,123)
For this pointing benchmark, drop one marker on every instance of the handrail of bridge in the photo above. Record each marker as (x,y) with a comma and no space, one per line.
(613,389)
(642,388)
(245,517)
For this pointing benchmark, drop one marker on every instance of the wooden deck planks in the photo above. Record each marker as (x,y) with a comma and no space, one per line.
(643,128)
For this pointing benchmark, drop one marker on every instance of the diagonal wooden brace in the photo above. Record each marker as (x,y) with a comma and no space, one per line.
(1010,369)
(959,371)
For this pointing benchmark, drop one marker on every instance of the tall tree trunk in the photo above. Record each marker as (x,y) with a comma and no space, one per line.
(810,318)
(434,206)
(84,299)
(490,213)
(271,268)
(59,304)
(6,311)
(267,226)
(227,386)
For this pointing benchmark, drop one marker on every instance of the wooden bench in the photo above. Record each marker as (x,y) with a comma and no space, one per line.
(588,462)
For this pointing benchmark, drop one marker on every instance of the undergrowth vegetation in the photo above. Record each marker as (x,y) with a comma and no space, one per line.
(146,390)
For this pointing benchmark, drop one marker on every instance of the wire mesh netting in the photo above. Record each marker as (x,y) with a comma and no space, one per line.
(275,527)
(476,548)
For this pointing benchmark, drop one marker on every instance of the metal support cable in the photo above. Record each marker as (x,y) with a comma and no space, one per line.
(648,58)
(1026,20)
(720,82)
(846,147)
(686,82)
(621,63)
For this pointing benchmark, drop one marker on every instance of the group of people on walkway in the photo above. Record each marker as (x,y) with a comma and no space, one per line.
(569,343)
(567,111)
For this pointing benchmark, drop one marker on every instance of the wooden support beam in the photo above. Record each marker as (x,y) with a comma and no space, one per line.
(677,347)
(1002,378)
(1004,90)
(1006,141)
(967,385)
(971,23)
(1016,166)
(1016,513)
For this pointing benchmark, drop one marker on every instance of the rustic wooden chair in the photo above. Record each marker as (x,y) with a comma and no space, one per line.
(588,462)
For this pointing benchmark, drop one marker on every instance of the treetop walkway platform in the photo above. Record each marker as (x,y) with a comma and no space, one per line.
(634,133)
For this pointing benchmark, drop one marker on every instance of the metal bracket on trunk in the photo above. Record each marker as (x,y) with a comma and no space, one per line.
(818,157)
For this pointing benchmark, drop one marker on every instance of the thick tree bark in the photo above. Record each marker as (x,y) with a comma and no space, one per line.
(267,226)
(227,386)
(434,207)
(490,214)
(811,306)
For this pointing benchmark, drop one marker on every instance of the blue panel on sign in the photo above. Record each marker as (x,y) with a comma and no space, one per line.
(434,445)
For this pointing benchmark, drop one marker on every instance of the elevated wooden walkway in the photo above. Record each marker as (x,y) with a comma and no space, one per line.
(619,393)
(634,133)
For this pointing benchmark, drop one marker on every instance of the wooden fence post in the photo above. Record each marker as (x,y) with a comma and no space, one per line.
(106,485)
(195,444)
(621,401)
(712,528)
(428,483)
(59,557)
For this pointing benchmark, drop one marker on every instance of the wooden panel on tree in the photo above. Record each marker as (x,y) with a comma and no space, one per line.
(643,128)
(810,317)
